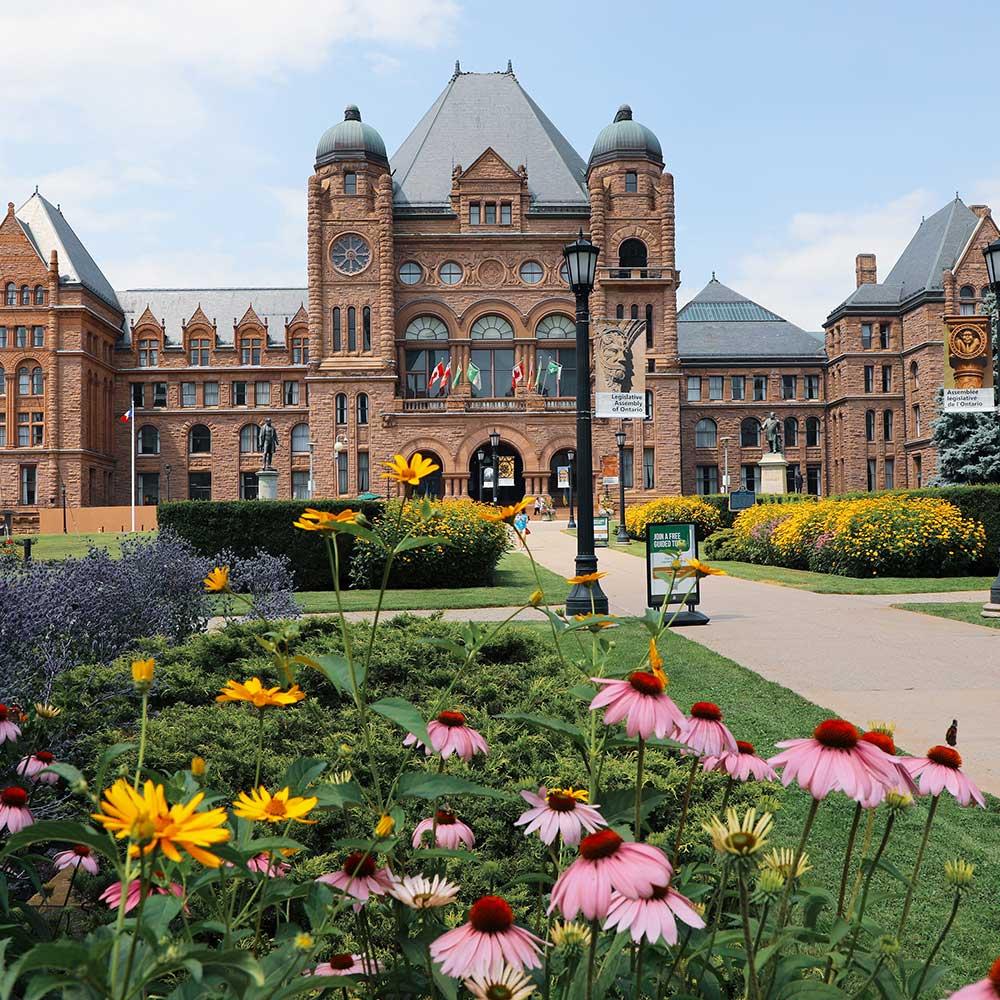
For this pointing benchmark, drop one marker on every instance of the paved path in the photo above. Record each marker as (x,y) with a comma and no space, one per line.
(854,654)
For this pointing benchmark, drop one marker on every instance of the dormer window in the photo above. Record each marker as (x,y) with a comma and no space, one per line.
(474,214)
(198,352)
(505,214)
(491,213)
(350,183)
(149,353)
(250,351)
(967,301)
(631,181)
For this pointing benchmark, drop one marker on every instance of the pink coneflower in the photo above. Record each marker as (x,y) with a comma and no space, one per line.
(837,759)
(607,864)
(113,894)
(941,770)
(449,831)
(559,812)
(449,734)
(641,700)
(78,856)
(359,877)
(346,964)
(14,812)
(421,893)
(887,745)
(8,730)
(985,989)
(742,765)
(487,941)
(265,864)
(705,732)
(33,766)
(654,915)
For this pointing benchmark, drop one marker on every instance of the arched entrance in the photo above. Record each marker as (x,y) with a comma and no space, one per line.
(510,465)
(432,485)
(560,497)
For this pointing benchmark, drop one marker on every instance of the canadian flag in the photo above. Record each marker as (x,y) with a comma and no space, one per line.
(437,375)
(517,375)
(126,416)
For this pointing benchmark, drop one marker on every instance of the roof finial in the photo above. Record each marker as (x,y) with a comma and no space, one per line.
(36,189)
(713,276)
(351,113)
(510,68)
(624,114)
(458,69)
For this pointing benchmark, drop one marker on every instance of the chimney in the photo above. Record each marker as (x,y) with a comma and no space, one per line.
(865,269)
(982,211)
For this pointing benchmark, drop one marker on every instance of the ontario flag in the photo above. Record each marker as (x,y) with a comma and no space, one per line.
(127,415)
(517,375)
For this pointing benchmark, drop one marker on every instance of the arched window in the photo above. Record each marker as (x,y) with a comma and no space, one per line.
(39,295)
(649,326)
(706,433)
(869,425)
(340,408)
(812,432)
(915,374)
(555,326)
(25,295)
(632,253)
(149,440)
(3,381)
(300,439)
(199,440)
(649,404)
(362,405)
(967,300)
(10,294)
(37,382)
(426,328)
(887,425)
(791,432)
(248,439)
(336,328)
(366,329)
(619,312)
(750,433)
(916,420)
(23,381)
(492,327)
(352,328)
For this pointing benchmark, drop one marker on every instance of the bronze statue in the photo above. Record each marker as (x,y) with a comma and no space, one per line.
(772,432)
(267,442)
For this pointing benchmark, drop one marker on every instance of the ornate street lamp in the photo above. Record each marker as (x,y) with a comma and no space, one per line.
(494,444)
(480,458)
(581,270)
(622,533)
(992,255)
(570,455)
(167,468)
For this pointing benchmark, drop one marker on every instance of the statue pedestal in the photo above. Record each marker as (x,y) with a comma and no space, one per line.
(267,484)
(772,473)
(991,610)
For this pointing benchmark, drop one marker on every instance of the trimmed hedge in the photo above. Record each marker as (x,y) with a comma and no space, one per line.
(679,509)
(243,526)
(720,501)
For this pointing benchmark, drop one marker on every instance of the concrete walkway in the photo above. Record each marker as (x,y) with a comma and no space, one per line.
(853,654)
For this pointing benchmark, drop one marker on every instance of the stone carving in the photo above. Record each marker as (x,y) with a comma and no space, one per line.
(968,350)
(491,272)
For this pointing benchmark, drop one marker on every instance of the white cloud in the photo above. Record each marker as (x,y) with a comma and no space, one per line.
(383,64)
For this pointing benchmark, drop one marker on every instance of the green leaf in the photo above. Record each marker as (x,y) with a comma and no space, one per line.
(108,758)
(456,649)
(817,899)
(447,986)
(609,969)
(62,831)
(70,774)
(404,714)
(302,773)
(546,723)
(419,542)
(337,796)
(810,989)
(585,692)
(423,785)
(618,806)
(444,852)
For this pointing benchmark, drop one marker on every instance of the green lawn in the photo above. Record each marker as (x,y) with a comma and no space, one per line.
(514,582)
(51,548)
(763,712)
(959,612)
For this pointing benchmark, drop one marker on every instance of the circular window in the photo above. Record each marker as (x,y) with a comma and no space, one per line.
(556,327)
(451,273)
(531,272)
(350,254)
(410,273)
(564,272)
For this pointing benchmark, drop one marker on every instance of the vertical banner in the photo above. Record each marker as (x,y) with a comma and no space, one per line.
(609,470)
(562,477)
(968,376)
(506,476)
(619,368)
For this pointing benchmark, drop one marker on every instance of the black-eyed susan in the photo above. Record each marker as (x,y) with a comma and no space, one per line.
(409,473)
(506,514)
(586,579)
(282,807)
(254,692)
(218,580)
(322,520)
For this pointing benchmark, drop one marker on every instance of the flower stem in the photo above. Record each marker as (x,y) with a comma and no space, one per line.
(638,967)
(753,988)
(937,944)
(865,848)
(595,929)
(725,794)
(799,851)
(871,978)
(260,746)
(716,905)
(638,794)
(848,854)
(69,892)
(673,965)
(684,810)
(142,738)
(867,885)
(917,866)
(144,891)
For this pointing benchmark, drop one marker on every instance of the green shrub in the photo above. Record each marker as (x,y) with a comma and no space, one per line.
(721,544)
(680,509)
(469,560)
(241,526)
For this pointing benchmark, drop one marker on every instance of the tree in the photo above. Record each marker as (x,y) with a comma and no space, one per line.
(968,444)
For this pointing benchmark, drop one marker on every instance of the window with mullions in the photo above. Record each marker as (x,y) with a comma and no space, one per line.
(300,350)
(715,383)
(495,367)
(505,217)
(812,432)
(812,387)
(248,486)
(364,483)
(248,439)
(250,351)
(350,183)
(419,365)
(789,386)
(869,425)
(37,336)
(336,328)
(198,353)
(760,387)
(352,328)
(750,433)
(199,485)
(366,329)
(648,468)
(361,407)
(631,181)
(300,439)
(200,440)
(707,479)
(21,336)
(628,473)
(791,432)
(706,433)
(490,213)
(738,387)
(555,326)
(967,301)
(340,408)
(148,440)
(3,336)
(342,486)
(149,353)
(290,393)
(474,213)
(491,327)
(556,371)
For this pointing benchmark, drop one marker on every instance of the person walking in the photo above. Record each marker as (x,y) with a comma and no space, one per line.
(521,524)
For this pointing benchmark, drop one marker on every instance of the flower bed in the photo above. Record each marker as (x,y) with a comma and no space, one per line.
(681,509)
(876,536)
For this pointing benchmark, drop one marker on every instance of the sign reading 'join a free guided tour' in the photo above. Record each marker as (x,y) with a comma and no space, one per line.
(620,368)
(665,543)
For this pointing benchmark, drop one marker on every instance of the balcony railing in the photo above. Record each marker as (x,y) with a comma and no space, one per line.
(651,272)
(473,405)
(413,405)
(560,404)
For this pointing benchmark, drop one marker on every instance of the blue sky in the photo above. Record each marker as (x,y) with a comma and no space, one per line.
(178,137)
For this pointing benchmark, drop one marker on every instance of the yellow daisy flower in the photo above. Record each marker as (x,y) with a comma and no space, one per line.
(321,520)
(695,567)
(587,579)
(497,514)
(142,672)
(259,804)
(259,696)
(410,473)
(218,580)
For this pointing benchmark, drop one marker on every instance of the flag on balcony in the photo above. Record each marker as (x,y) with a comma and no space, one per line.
(517,375)
(437,375)
(555,369)
(458,375)
(446,376)
(474,375)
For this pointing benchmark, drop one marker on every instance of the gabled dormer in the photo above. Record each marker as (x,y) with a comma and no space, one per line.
(490,195)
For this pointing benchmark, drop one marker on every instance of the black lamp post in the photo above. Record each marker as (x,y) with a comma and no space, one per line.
(481,457)
(622,533)
(992,255)
(166,469)
(570,455)
(494,444)
(581,270)
(64,507)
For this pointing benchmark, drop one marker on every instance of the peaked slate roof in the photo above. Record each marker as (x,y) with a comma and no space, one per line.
(721,323)
(934,247)
(223,306)
(476,110)
(47,230)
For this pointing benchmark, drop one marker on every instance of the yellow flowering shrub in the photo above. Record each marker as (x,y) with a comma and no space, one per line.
(872,536)
(681,509)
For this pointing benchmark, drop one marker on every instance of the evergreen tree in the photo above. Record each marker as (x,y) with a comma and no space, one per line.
(968,444)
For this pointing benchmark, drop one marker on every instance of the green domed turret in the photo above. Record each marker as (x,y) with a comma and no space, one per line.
(625,139)
(351,139)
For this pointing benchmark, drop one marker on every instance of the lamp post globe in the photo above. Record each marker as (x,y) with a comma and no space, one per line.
(991,253)
(581,272)
(622,535)
(570,455)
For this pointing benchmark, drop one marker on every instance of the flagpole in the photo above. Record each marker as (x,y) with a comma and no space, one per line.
(131,432)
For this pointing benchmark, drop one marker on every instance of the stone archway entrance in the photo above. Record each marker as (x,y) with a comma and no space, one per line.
(432,485)
(511,466)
